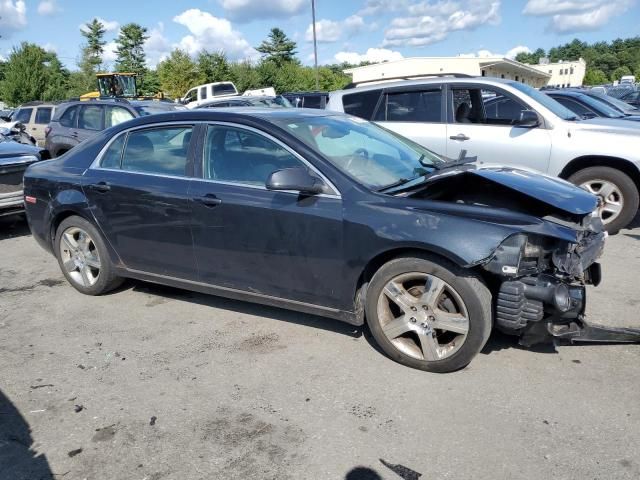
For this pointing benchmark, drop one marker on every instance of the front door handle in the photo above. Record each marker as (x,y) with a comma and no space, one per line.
(209,200)
(461,137)
(102,187)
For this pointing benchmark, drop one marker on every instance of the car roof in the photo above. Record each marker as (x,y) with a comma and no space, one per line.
(366,86)
(233,114)
(566,93)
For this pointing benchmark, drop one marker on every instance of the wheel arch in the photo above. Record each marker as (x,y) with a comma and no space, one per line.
(61,216)
(375,263)
(580,163)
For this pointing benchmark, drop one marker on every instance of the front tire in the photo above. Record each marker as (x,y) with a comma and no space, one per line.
(83,257)
(428,314)
(617,192)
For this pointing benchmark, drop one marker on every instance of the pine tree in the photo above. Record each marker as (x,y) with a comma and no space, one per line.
(131,57)
(92,52)
(278,47)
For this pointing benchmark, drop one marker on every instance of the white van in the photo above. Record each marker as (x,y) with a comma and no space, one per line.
(204,93)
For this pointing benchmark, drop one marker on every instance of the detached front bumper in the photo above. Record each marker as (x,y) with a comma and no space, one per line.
(11,203)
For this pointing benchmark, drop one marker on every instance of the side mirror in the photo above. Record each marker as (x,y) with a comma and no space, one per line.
(297,179)
(528,119)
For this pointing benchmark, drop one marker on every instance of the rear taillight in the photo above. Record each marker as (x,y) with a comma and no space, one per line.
(47,131)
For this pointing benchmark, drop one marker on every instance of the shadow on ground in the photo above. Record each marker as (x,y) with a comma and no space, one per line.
(18,460)
(13,226)
(246,308)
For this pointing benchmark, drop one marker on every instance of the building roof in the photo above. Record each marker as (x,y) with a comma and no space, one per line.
(482,62)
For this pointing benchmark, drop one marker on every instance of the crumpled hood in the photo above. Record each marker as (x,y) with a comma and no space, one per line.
(552,191)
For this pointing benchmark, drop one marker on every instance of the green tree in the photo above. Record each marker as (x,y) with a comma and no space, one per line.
(532,58)
(178,74)
(245,75)
(25,74)
(278,47)
(92,52)
(213,67)
(619,72)
(130,52)
(57,79)
(595,77)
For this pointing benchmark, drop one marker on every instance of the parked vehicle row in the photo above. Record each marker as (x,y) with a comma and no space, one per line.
(510,123)
(324,213)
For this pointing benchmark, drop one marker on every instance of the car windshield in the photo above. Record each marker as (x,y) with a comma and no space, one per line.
(271,102)
(145,110)
(619,104)
(546,101)
(602,107)
(370,154)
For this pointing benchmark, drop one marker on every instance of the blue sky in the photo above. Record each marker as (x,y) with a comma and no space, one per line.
(352,31)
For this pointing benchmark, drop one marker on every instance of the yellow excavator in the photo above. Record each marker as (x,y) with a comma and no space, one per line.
(114,85)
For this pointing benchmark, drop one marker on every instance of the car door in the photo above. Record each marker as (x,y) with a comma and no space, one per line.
(139,194)
(247,238)
(42,118)
(417,113)
(482,122)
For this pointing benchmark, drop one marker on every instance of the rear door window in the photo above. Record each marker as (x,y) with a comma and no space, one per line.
(43,115)
(112,156)
(161,151)
(91,118)
(312,101)
(420,106)
(23,115)
(361,104)
(68,118)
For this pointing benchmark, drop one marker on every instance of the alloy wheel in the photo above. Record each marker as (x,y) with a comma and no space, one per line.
(80,257)
(423,316)
(611,201)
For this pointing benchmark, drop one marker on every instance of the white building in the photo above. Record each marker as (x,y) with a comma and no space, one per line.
(564,74)
(476,66)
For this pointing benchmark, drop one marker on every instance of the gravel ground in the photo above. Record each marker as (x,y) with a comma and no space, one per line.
(158,383)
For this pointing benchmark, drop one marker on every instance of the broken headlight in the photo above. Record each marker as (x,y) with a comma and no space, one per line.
(521,255)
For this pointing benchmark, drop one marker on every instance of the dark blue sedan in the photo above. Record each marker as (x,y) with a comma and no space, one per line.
(326,214)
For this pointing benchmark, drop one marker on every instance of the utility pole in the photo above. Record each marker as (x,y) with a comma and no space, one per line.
(315,43)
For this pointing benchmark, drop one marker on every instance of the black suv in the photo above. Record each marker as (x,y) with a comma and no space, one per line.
(79,120)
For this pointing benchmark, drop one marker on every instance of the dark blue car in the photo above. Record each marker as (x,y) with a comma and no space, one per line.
(326,214)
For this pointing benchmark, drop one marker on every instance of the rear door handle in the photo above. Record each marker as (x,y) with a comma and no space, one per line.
(208,200)
(461,137)
(102,187)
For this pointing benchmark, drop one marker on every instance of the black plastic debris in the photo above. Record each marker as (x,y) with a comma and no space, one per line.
(78,408)
(75,452)
(152,422)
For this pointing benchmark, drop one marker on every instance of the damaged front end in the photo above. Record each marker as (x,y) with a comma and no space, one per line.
(541,291)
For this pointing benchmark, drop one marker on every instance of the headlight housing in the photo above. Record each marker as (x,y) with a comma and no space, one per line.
(521,255)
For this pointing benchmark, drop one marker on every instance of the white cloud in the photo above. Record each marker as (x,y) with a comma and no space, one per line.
(374,7)
(110,55)
(511,54)
(13,16)
(328,31)
(48,8)
(50,47)
(577,15)
(248,10)
(212,33)
(373,55)
(443,18)
(157,46)
(109,25)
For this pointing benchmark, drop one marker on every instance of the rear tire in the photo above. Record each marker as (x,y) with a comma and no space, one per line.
(83,257)
(427,313)
(617,191)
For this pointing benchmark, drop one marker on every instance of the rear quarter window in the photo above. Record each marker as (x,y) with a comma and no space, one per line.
(43,115)
(361,104)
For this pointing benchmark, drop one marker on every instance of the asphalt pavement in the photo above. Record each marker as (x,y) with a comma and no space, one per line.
(157,383)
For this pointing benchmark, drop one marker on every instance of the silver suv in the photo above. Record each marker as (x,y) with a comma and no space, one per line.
(507,122)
